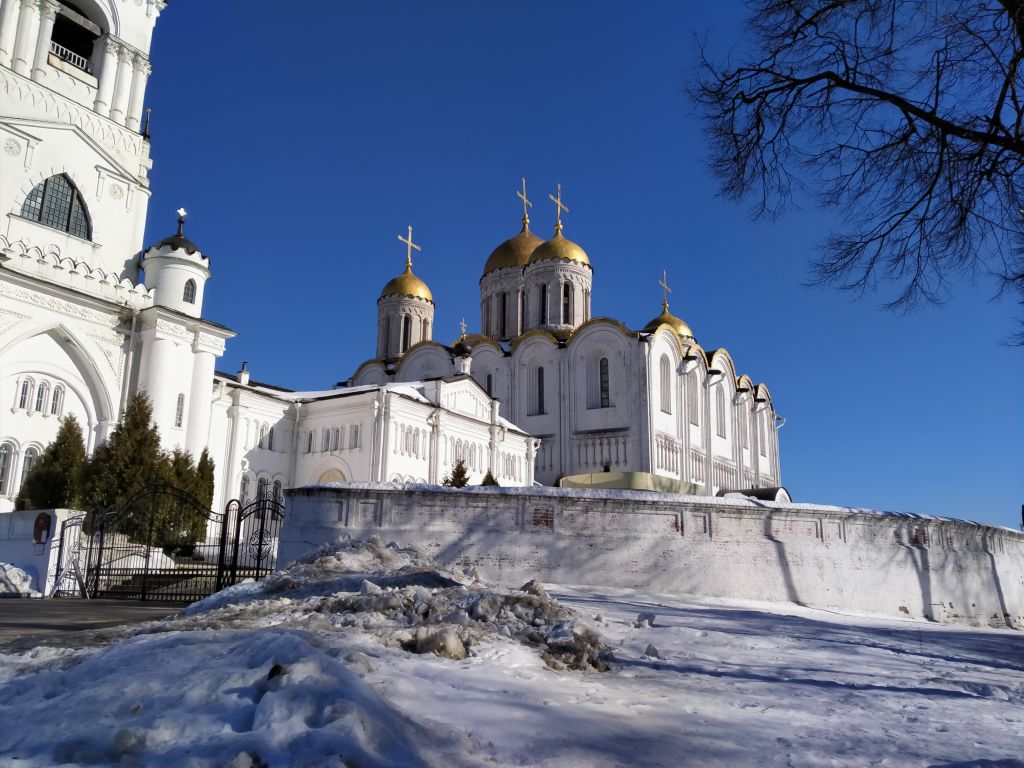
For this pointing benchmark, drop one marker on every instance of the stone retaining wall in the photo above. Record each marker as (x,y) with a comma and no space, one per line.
(825,557)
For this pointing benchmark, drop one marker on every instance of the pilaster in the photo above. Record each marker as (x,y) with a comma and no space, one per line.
(47,15)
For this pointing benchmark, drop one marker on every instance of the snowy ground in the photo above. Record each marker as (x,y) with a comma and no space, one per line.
(336,663)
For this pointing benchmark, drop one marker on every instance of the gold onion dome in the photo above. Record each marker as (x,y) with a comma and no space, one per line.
(667,318)
(407,284)
(514,252)
(560,248)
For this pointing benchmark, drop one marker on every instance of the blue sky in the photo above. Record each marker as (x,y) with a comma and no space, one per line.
(303,140)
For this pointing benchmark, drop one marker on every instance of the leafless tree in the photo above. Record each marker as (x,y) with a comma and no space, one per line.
(903,115)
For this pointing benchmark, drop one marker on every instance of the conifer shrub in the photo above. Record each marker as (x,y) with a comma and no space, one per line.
(55,480)
(459,476)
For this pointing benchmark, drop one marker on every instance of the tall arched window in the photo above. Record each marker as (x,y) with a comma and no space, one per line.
(41,397)
(179,412)
(56,203)
(278,495)
(31,456)
(566,304)
(490,384)
(26,391)
(503,317)
(58,400)
(425,330)
(542,314)
(602,368)
(262,488)
(406,332)
(666,384)
(325,441)
(761,435)
(720,410)
(540,389)
(741,421)
(189,294)
(270,439)
(243,492)
(309,442)
(693,399)
(6,460)
(387,337)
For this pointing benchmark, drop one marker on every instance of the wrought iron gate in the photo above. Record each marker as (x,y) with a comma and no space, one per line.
(163,544)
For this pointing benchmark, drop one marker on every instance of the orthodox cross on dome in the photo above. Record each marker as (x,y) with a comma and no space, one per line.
(559,207)
(526,203)
(409,247)
(463,327)
(182,213)
(664,284)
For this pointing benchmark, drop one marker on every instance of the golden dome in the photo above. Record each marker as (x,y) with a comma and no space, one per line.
(407,284)
(667,318)
(514,252)
(560,248)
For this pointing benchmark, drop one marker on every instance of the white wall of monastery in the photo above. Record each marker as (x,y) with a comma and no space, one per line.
(819,556)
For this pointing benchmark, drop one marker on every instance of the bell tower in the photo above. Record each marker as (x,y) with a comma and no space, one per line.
(73,78)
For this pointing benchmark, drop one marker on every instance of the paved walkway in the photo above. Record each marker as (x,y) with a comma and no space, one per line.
(26,623)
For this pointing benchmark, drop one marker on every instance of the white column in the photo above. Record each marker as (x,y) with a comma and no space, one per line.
(9,13)
(200,402)
(24,42)
(141,71)
(108,74)
(47,15)
(122,85)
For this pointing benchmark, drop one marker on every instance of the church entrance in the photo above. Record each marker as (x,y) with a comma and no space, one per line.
(163,544)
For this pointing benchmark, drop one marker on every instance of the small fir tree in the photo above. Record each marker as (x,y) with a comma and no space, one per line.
(489,479)
(459,476)
(55,480)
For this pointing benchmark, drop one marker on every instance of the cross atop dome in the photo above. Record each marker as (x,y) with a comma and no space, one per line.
(526,204)
(410,246)
(559,207)
(664,284)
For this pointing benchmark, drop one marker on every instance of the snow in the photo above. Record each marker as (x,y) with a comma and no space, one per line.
(318,665)
(15,582)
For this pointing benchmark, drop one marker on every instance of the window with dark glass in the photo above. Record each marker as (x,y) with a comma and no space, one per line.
(603,368)
(179,411)
(502,318)
(566,304)
(189,294)
(542,315)
(540,390)
(58,401)
(406,332)
(490,381)
(278,495)
(57,204)
(6,459)
(243,493)
(261,488)
(26,388)
(41,398)
(31,455)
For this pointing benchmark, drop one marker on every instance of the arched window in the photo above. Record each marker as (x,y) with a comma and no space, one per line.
(720,410)
(540,390)
(309,442)
(6,460)
(262,487)
(503,317)
(666,384)
(353,441)
(490,384)
(542,314)
(56,203)
(278,494)
(270,439)
(406,332)
(179,412)
(335,439)
(387,337)
(521,320)
(566,304)
(189,294)
(26,390)
(602,368)
(693,399)
(58,400)
(761,436)
(243,492)
(31,456)
(425,330)
(325,441)
(41,397)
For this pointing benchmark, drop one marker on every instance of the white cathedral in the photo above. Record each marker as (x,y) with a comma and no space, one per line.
(89,315)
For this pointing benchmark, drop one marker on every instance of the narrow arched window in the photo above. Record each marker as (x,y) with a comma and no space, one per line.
(179,412)
(542,315)
(693,400)
(278,495)
(270,439)
(566,304)
(744,429)
(720,411)
(666,384)
(189,294)
(353,441)
(503,317)
(325,441)
(31,455)
(6,460)
(56,203)
(602,367)
(41,398)
(761,434)
(540,389)
(58,400)
(261,488)
(425,330)
(490,384)
(26,390)
(309,442)
(406,332)
(243,492)
(521,320)
(386,346)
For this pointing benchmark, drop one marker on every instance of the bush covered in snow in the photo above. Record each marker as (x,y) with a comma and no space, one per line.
(14,582)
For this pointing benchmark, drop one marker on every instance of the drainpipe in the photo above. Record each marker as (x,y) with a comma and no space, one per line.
(293,464)
(128,366)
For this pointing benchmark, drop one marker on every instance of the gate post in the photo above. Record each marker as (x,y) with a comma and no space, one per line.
(223,545)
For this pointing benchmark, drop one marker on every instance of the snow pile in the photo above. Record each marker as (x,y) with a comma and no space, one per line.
(405,601)
(14,582)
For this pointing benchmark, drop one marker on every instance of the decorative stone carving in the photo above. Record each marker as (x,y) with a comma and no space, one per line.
(12,147)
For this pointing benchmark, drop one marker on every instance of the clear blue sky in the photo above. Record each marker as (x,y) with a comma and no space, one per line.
(303,138)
